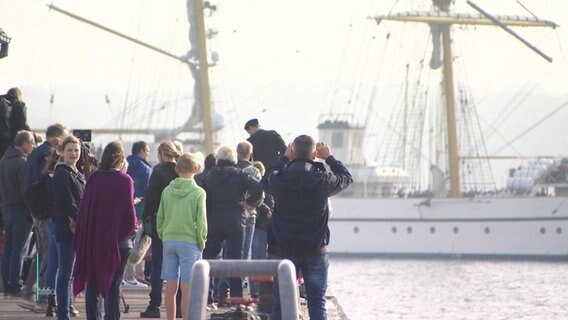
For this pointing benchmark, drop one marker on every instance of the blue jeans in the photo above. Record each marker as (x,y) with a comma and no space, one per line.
(66,263)
(314,270)
(258,252)
(17,232)
(52,259)
(112,301)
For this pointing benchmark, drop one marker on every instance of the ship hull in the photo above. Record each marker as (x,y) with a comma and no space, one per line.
(515,228)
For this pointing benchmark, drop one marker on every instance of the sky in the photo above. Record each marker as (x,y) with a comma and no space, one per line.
(285,62)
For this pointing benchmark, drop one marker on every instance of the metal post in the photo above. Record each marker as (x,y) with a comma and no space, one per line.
(198,291)
(287,286)
(283,269)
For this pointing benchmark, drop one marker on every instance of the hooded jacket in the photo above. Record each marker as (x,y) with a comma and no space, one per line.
(68,185)
(301,188)
(181,215)
(12,173)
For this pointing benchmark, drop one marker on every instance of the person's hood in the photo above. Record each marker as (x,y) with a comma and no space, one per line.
(302,175)
(181,187)
(221,173)
(12,153)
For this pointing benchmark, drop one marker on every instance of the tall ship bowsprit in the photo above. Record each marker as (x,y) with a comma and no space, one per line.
(431,191)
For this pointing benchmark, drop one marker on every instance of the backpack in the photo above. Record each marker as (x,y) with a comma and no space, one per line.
(38,199)
(5,124)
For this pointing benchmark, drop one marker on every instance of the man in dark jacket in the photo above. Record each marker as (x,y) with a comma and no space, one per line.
(226,186)
(35,172)
(268,145)
(18,119)
(17,219)
(299,226)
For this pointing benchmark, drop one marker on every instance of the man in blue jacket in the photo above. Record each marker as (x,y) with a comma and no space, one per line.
(299,227)
(140,171)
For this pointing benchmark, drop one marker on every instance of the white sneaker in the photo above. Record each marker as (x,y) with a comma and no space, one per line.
(134,284)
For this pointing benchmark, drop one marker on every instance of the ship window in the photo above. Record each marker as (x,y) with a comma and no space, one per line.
(487,230)
(409,229)
(543,230)
(432,230)
(456,230)
(356,229)
(393,229)
(559,230)
(337,140)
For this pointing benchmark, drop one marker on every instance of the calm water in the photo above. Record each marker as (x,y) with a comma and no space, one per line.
(450,289)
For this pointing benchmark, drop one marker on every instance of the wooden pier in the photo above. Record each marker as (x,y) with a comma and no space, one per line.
(137,299)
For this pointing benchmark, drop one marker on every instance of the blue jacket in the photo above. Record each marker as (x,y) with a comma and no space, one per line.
(37,160)
(140,171)
(68,186)
(301,189)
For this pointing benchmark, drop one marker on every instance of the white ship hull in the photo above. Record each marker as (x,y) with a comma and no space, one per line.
(524,227)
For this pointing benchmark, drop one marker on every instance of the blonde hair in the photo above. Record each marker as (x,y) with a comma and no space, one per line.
(244,150)
(260,167)
(187,162)
(168,148)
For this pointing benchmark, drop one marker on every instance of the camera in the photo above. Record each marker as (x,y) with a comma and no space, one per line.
(83,135)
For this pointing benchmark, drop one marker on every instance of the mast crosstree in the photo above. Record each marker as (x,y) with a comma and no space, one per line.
(440,22)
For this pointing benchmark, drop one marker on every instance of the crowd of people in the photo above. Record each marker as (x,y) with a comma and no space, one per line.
(259,199)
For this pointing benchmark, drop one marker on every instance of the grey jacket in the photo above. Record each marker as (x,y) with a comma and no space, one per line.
(12,172)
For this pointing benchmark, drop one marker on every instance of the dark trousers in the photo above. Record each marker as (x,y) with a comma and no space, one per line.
(17,231)
(233,235)
(112,301)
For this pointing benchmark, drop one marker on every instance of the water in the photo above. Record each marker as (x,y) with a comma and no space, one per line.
(450,289)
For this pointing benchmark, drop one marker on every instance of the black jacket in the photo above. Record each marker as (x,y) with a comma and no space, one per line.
(267,145)
(263,212)
(162,175)
(68,186)
(301,189)
(12,174)
(18,116)
(226,186)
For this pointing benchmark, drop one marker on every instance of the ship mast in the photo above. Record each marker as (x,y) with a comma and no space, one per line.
(195,59)
(443,20)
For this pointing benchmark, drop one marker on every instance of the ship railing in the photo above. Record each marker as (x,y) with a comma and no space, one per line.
(204,269)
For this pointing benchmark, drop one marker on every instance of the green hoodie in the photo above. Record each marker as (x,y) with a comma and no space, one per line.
(182,215)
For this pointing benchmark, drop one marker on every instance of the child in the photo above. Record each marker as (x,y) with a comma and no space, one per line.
(182,226)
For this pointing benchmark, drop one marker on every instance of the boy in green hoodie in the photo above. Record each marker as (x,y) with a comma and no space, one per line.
(182,226)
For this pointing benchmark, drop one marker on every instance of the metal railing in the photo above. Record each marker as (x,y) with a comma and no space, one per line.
(283,269)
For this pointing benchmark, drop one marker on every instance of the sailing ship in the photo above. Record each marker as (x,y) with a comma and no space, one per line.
(459,214)
(390,209)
